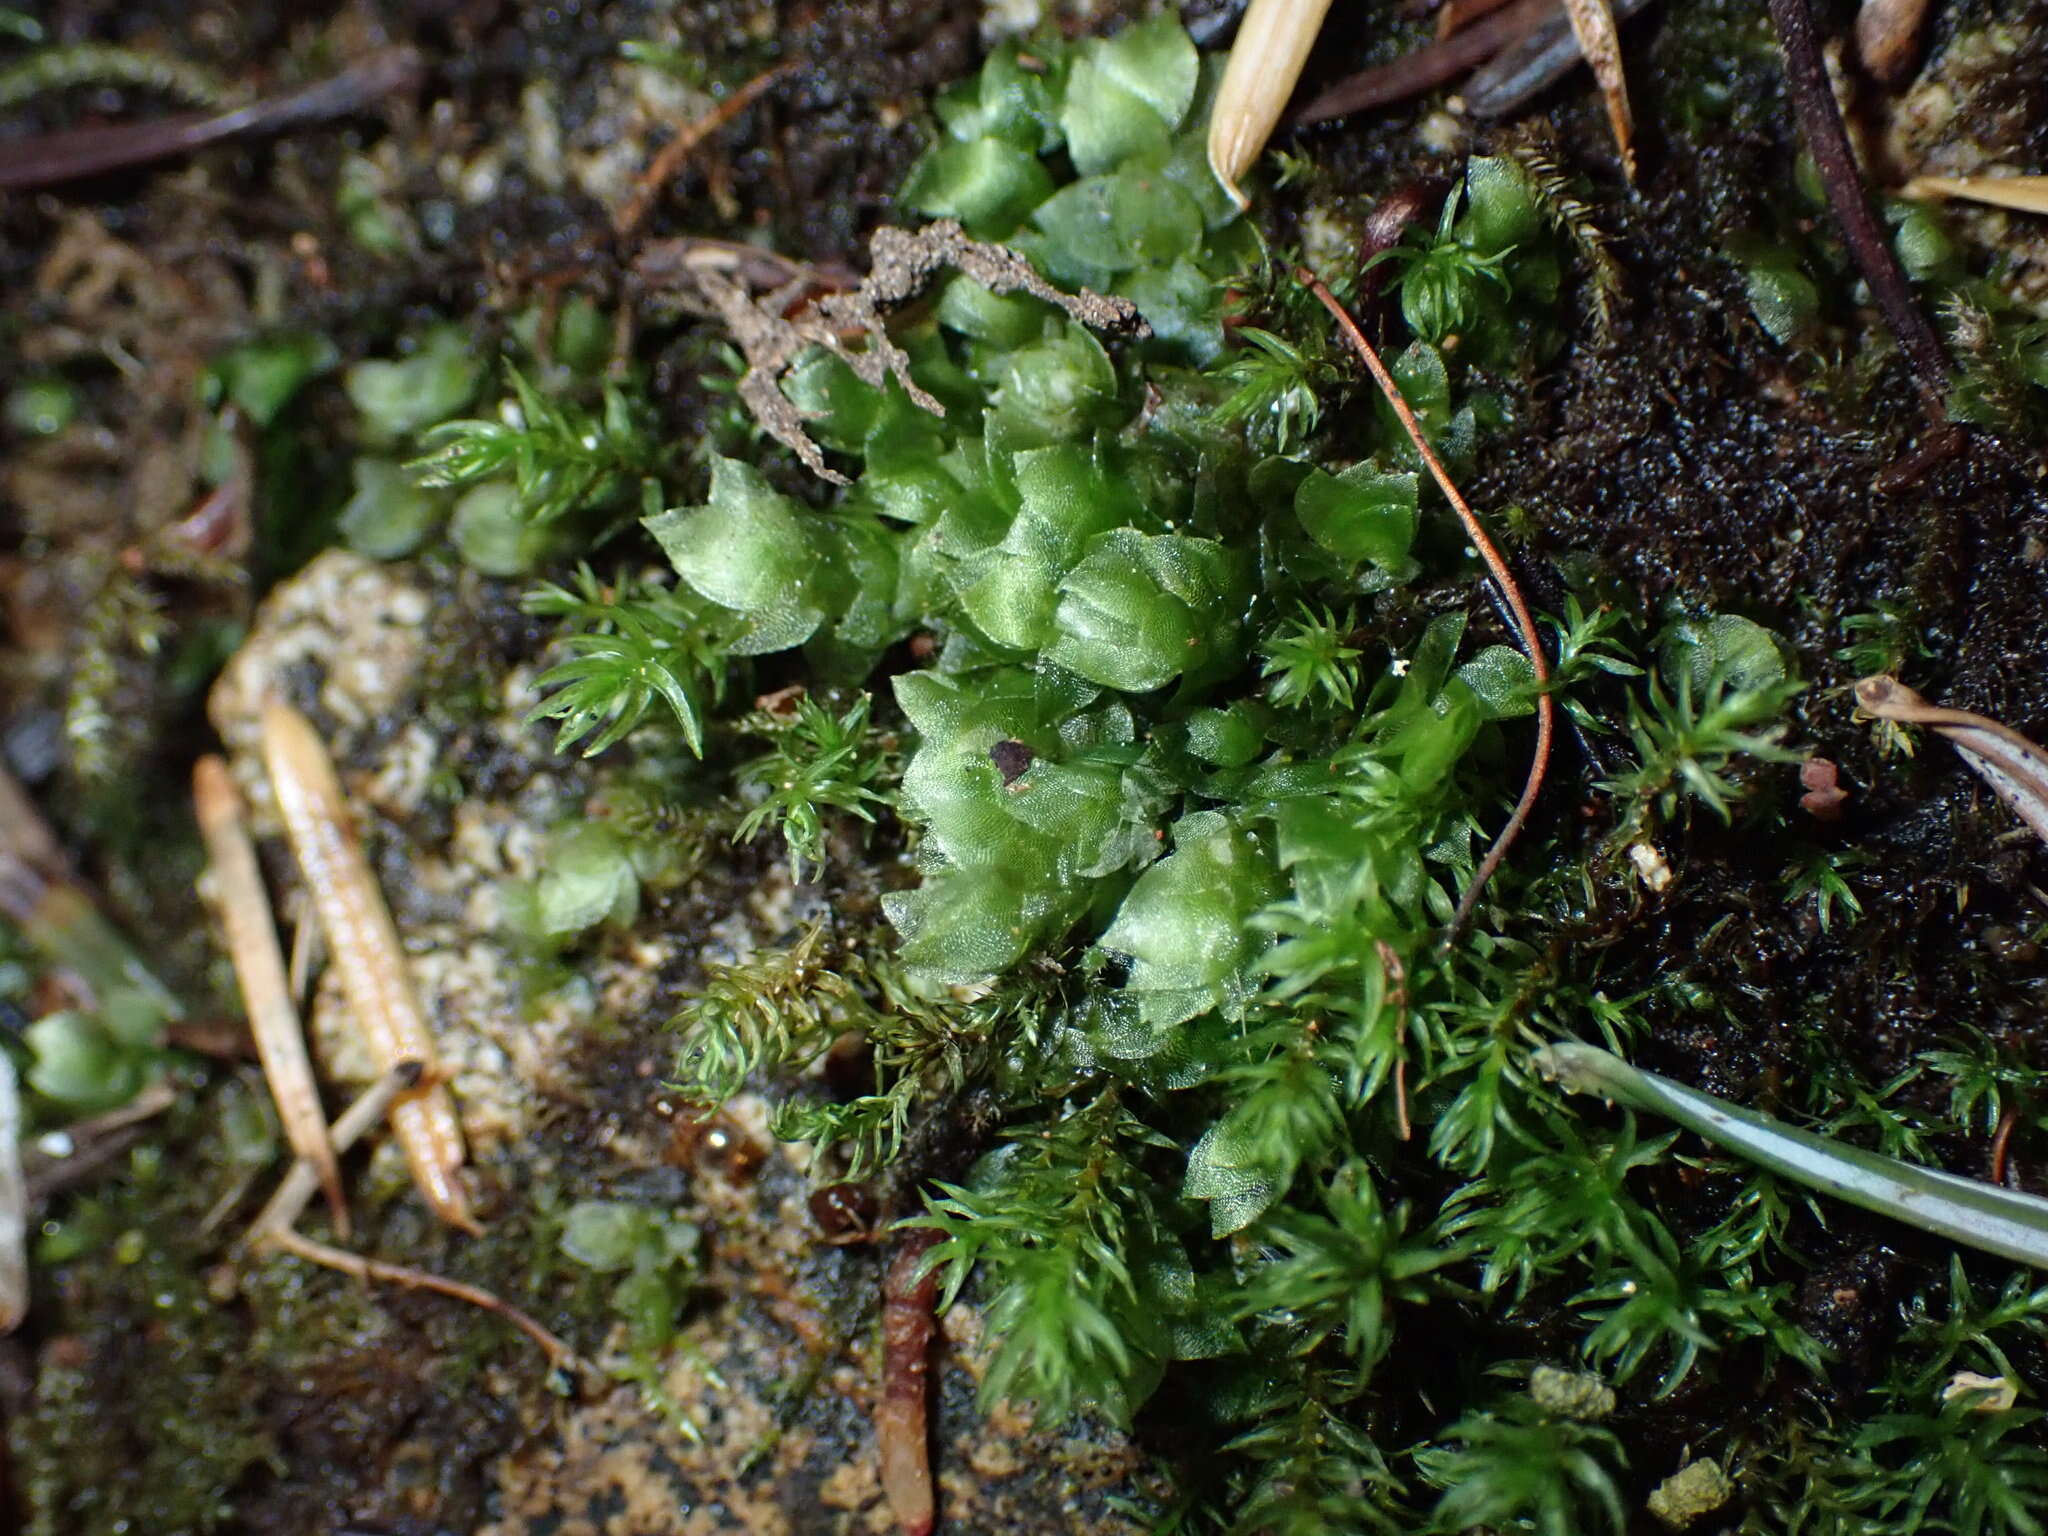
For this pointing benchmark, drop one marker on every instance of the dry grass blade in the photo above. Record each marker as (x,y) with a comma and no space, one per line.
(1273,43)
(1532,643)
(251,932)
(2013,766)
(366,953)
(2027,194)
(13,1204)
(1600,41)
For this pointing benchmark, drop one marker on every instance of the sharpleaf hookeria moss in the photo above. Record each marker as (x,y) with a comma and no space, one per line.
(1177,680)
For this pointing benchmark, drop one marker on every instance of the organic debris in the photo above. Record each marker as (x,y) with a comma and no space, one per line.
(2012,765)
(251,934)
(366,952)
(1273,43)
(902,263)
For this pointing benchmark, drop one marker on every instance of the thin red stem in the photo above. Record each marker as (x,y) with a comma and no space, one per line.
(1532,643)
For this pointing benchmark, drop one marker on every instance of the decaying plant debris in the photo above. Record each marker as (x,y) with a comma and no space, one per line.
(902,263)
(1734,490)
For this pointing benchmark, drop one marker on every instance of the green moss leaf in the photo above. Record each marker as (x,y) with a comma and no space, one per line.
(402,396)
(988,184)
(588,879)
(1117,222)
(1362,514)
(262,377)
(1503,681)
(1500,210)
(1184,924)
(390,514)
(752,550)
(1127,93)
(1139,612)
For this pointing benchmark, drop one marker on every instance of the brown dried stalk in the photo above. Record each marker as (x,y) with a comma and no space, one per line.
(902,1433)
(1820,121)
(2013,766)
(364,943)
(273,1227)
(58,157)
(259,971)
(1593,25)
(661,170)
(1532,644)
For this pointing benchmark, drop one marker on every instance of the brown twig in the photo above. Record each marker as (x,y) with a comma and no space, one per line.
(58,157)
(1532,642)
(902,1433)
(661,170)
(1427,68)
(273,1225)
(558,1353)
(1820,121)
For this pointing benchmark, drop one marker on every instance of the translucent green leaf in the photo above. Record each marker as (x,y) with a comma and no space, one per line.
(401,396)
(1058,388)
(1500,211)
(1503,680)
(588,879)
(750,549)
(1140,611)
(262,376)
(1116,222)
(390,514)
(1127,93)
(988,184)
(1746,656)
(1184,924)
(1362,514)
(492,533)
(1183,306)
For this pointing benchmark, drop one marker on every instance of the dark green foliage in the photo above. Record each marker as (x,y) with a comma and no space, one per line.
(819,762)
(1519,1467)
(1203,727)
